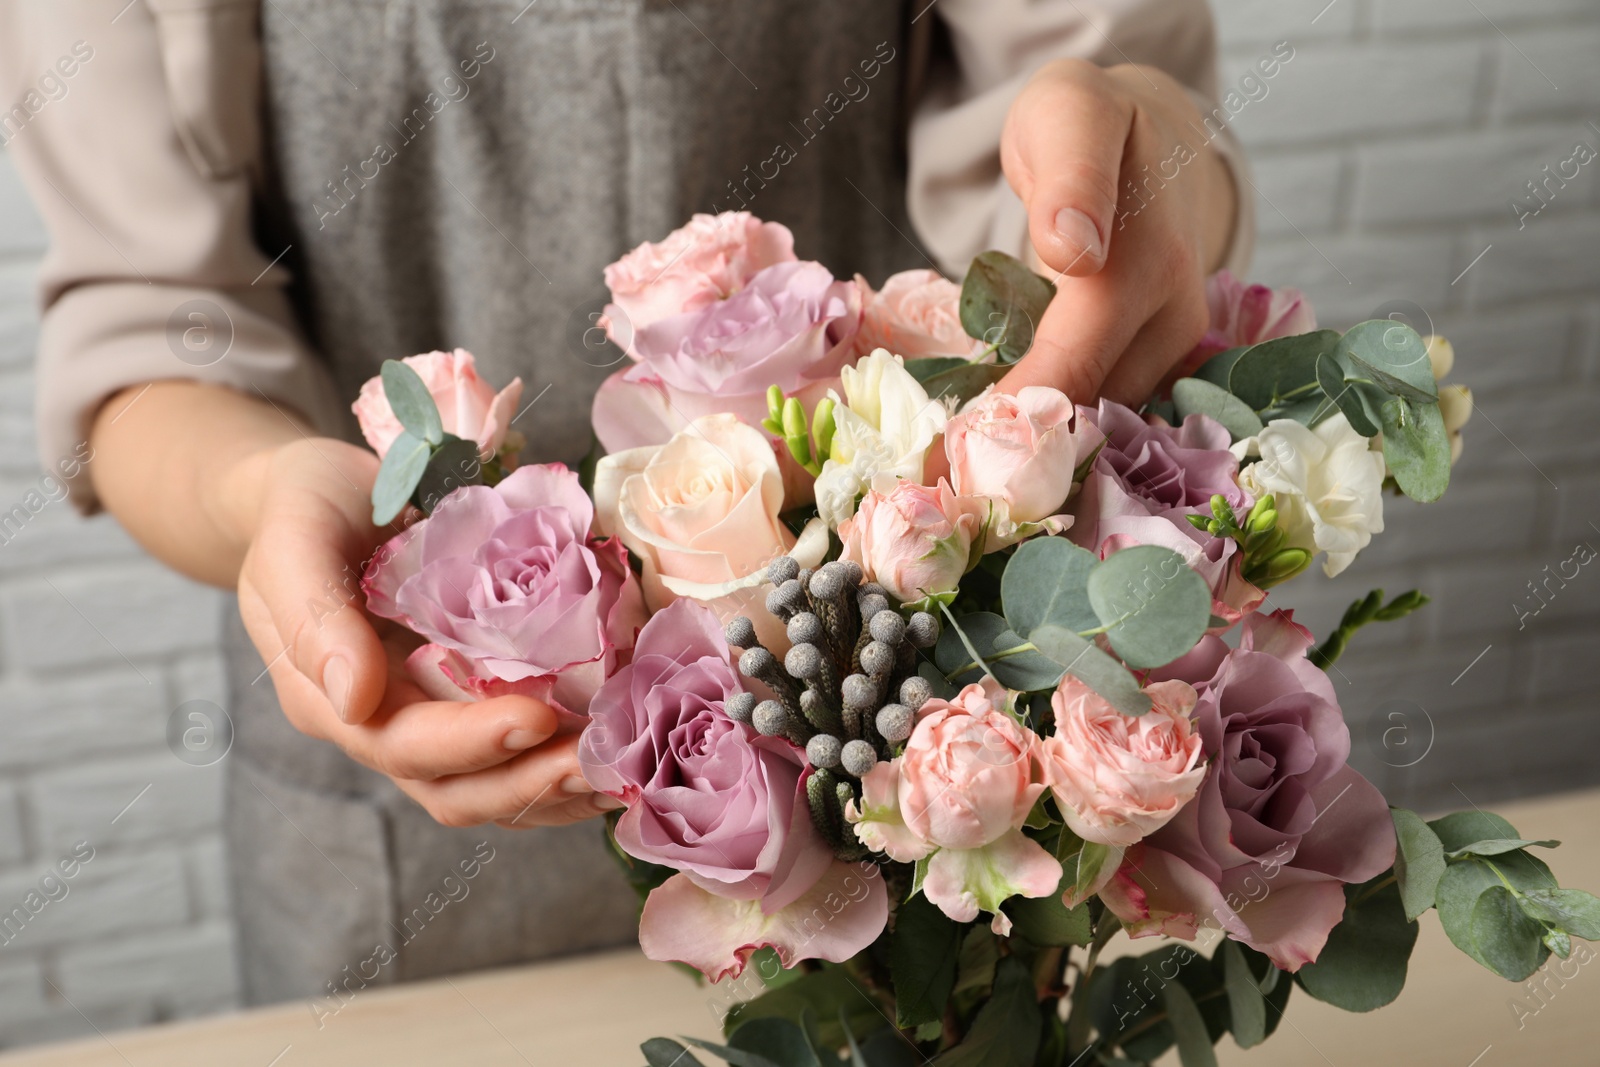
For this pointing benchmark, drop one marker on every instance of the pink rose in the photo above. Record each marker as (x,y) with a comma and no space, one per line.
(511,592)
(708,259)
(1249,314)
(914,540)
(1016,450)
(958,796)
(1281,822)
(915,315)
(468,406)
(721,804)
(792,326)
(701,513)
(1118,778)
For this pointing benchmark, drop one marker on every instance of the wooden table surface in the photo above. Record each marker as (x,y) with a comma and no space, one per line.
(594,1011)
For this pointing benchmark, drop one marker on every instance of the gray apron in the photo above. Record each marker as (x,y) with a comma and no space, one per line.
(457,173)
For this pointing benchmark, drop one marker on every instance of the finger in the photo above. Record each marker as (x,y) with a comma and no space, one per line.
(1159,346)
(300,566)
(1083,331)
(514,791)
(426,740)
(579,809)
(1066,145)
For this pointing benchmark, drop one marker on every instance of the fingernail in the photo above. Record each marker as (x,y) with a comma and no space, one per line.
(1078,231)
(605,803)
(336,680)
(518,740)
(572,783)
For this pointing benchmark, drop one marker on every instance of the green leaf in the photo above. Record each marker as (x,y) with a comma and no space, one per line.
(823,993)
(1046,583)
(922,962)
(1002,302)
(454,464)
(1363,964)
(411,402)
(403,467)
(1355,399)
(1416,448)
(945,377)
(1462,828)
(1273,373)
(1570,910)
(1496,846)
(1047,921)
(1188,1027)
(989,635)
(664,1052)
(1154,607)
(1081,863)
(1217,369)
(1005,1032)
(1395,357)
(1081,659)
(1418,863)
(1509,943)
(1196,396)
(1465,881)
(1246,1005)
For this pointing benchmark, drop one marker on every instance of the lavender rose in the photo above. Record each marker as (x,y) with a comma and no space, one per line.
(1144,482)
(511,592)
(791,326)
(1280,823)
(723,805)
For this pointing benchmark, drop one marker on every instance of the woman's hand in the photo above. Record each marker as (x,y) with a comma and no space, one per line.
(1129,209)
(231,490)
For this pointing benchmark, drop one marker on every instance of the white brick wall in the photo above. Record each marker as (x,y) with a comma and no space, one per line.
(1386,154)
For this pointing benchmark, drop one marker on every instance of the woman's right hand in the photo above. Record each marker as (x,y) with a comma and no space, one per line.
(340,674)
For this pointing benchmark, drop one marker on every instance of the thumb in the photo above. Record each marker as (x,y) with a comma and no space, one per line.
(1066,136)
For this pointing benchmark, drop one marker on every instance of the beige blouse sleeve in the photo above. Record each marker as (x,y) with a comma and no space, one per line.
(959,200)
(135,127)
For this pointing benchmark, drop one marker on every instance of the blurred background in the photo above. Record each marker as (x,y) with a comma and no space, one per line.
(1390,156)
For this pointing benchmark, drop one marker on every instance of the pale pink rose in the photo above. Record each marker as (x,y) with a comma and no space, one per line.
(468,406)
(701,513)
(914,540)
(917,314)
(1019,451)
(1249,314)
(958,796)
(709,258)
(1116,777)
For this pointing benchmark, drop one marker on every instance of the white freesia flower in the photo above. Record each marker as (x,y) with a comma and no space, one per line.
(1327,483)
(884,425)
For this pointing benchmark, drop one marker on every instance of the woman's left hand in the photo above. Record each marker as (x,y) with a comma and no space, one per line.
(1129,208)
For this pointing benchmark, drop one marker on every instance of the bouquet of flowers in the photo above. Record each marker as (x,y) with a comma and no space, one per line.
(917,692)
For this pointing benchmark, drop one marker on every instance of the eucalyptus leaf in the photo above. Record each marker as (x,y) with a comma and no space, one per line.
(1005,1032)
(454,464)
(1247,1007)
(1002,302)
(1570,910)
(1196,396)
(922,961)
(1081,659)
(1496,846)
(1351,397)
(1363,964)
(1278,371)
(402,468)
(1081,864)
(1416,448)
(411,402)
(1045,583)
(1509,942)
(1464,882)
(1154,606)
(743,1058)
(958,378)
(993,640)
(1188,1027)
(1047,921)
(779,1041)
(1394,355)
(665,1052)
(1418,862)
(1217,369)
(1462,828)
(823,993)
